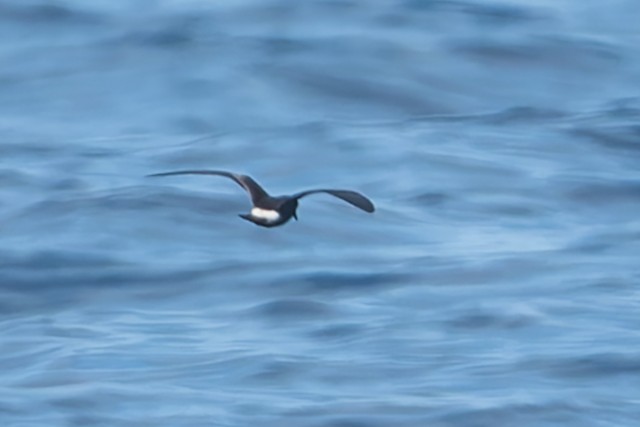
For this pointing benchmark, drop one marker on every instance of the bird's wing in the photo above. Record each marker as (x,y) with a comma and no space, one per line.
(253,188)
(356,199)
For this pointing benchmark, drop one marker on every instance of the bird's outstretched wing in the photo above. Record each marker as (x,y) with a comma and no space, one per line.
(253,188)
(356,199)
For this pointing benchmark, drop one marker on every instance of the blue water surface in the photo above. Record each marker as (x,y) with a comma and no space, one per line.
(497,284)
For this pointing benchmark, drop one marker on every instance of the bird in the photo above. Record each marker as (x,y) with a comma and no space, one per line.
(272,211)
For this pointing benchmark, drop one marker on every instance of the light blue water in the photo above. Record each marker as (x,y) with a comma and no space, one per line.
(496,285)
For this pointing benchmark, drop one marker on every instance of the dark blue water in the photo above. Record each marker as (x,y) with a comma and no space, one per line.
(497,284)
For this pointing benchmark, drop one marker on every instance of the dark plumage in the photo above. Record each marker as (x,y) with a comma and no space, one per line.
(270,211)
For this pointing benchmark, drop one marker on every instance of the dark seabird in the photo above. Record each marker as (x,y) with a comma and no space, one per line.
(269,211)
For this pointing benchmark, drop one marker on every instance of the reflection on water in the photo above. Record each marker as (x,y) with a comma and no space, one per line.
(494,285)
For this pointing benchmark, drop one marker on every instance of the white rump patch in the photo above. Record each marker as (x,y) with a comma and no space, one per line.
(266,214)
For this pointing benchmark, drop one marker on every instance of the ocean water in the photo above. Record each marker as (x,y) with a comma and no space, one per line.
(497,284)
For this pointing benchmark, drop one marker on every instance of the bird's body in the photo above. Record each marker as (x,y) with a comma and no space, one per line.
(270,211)
(269,215)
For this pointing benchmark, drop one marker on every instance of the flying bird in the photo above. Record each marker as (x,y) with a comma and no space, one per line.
(271,211)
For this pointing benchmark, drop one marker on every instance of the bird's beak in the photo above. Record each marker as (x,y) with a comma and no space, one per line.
(295,216)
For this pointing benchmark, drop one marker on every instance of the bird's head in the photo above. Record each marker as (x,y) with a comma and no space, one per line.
(289,208)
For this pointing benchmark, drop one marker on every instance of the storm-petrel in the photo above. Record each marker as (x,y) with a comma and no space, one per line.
(269,211)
